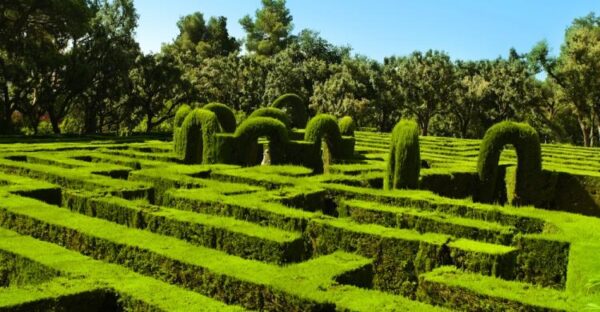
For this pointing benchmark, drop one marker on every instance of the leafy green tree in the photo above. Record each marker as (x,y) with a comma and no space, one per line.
(217,80)
(34,38)
(269,32)
(198,39)
(157,88)
(351,90)
(425,83)
(576,71)
(107,53)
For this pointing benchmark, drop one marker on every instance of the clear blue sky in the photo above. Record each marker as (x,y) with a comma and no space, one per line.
(466,29)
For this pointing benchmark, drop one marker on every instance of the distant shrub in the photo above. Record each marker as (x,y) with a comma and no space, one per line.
(529,161)
(249,131)
(196,137)
(71,125)
(294,106)
(224,114)
(273,113)
(347,126)
(44,128)
(404,162)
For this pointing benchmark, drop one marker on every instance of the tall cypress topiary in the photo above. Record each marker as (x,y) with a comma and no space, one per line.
(529,161)
(196,137)
(224,114)
(272,112)
(294,106)
(347,126)
(404,162)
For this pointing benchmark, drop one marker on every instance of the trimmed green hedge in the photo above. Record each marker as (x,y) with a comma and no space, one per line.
(404,163)
(294,106)
(347,125)
(272,112)
(325,127)
(251,129)
(197,137)
(180,115)
(224,114)
(529,167)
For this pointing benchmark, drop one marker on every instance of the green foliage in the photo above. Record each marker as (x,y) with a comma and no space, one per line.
(181,114)
(324,127)
(272,112)
(269,32)
(224,114)
(526,142)
(249,131)
(294,106)
(347,126)
(206,40)
(404,160)
(196,137)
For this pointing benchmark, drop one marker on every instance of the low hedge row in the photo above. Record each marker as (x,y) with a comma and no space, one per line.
(235,237)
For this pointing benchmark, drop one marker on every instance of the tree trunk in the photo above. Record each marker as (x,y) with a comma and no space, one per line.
(585,133)
(424,122)
(54,121)
(149,124)
(89,123)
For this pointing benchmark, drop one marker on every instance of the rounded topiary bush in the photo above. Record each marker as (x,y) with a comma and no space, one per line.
(224,114)
(529,161)
(272,112)
(196,137)
(404,162)
(294,106)
(251,129)
(347,126)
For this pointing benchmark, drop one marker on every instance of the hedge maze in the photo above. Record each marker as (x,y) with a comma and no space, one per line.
(198,225)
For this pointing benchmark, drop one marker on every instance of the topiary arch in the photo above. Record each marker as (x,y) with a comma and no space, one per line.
(324,127)
(195,142)
(529,161)
(294,106)
(224,114)
(404,162)
(272,113)
(251,129)
(347,126)
(180,115)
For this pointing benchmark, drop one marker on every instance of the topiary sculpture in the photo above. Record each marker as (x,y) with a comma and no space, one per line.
(272,112)
(324,127)
(347,126)
(224,114)
(404,162)
(247,134)
(195,142)
(294,106)
(529,161)
(180,115)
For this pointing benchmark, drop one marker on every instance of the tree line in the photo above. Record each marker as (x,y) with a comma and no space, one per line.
(74,66)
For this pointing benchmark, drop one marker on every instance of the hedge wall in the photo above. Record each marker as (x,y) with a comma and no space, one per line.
(196,137)
(224,114)
(294,106)
(272,112)
(529,166)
